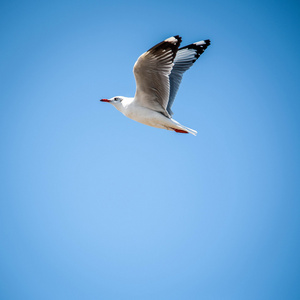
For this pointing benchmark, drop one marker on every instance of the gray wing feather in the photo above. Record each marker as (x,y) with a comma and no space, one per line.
(184,59)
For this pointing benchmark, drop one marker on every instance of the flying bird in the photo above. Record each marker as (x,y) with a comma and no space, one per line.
(158,74)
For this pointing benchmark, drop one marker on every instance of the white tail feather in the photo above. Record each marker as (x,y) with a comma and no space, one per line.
(192,131)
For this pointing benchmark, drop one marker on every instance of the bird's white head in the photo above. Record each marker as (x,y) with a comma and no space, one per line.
(113,100)
(116,101)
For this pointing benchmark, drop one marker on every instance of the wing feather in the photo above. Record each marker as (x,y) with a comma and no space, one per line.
(151,71)
(185,58)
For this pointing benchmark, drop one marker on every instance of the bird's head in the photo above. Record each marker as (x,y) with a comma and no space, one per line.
(114,100)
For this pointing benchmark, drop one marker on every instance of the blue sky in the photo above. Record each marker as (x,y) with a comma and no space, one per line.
(97,206)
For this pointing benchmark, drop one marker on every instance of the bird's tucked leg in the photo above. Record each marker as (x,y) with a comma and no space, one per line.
(180,131)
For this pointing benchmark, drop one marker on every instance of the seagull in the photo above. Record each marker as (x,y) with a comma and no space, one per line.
(158,74)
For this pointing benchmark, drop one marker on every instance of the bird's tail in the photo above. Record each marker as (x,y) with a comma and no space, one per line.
(181,128)
(189,130)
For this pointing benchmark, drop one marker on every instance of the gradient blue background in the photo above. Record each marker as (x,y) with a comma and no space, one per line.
(97,206)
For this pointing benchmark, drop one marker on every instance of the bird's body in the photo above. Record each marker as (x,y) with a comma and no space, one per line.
(158,73)
(131,108)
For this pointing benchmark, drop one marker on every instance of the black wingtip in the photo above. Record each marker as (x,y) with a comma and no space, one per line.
(207,42)
(198,47)
(169,43)
(178,38)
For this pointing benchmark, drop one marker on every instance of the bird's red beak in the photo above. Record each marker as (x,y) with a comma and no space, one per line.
(105,100)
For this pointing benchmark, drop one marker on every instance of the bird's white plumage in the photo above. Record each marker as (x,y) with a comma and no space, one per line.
(158,73)
(200,43)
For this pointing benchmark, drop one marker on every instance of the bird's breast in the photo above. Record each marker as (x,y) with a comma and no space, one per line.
(146,116)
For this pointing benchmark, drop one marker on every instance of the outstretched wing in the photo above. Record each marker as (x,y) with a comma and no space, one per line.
(185,58)
(152,71)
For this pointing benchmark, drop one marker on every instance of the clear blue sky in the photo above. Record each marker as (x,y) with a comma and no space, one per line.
(97,206)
